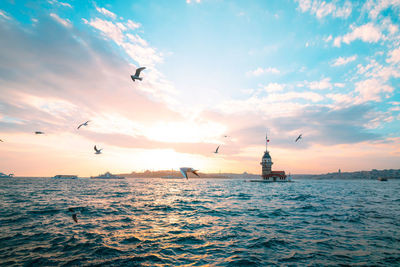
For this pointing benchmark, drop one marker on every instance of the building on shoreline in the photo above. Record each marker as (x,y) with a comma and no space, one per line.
(266,163)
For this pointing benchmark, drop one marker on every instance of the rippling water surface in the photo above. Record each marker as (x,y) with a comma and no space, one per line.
(156,222)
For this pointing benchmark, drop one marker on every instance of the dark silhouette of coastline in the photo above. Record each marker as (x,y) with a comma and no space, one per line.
(373,174)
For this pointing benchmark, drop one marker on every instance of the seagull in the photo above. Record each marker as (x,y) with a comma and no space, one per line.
(216,151)
(83,124)
(298,138)
(98,151)
(39,132)
(74,217)
(137,73)
(185,170)
(1,140)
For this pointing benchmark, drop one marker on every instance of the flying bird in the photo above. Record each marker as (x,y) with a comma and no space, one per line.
(98,151)
(1,140)
(137,73)
(83,124)
(39,132)
(185,170)
(74,216)
(216,151)
(298,138)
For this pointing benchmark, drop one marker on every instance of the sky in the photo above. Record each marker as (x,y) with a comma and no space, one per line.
(329,70)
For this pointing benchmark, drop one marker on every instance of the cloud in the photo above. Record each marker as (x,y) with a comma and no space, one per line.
(342,99)
(371,89)
(59,3)
(75,80)
(109,29)
(322,9)
(191,1)
(376,70)
(318,85)
(326,126)
(375,7)
(394,56)
(260,71)
(65,22)
(132,25)
(343,60)
(273,87)
(65,4)
(106,12)
(340,85)
(4,15)
(328,39)
(134,46)
(367,33)
(273,105)
(247,120)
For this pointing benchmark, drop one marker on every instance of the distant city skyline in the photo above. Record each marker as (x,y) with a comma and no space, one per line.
(329,70)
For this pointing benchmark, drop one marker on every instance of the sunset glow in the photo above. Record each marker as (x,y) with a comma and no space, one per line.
(329,71)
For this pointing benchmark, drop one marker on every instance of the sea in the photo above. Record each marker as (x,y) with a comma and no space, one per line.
(196,222)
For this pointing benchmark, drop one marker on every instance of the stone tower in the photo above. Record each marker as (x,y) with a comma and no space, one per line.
(266,161)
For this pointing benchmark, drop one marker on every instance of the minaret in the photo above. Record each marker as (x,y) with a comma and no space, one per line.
(266,161)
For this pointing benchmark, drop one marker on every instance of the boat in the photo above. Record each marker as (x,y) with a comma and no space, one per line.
(269,181)
(65,176)
(3,175)
(107,175)
(382,179)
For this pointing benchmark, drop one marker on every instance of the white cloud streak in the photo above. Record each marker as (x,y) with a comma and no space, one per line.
(344,60)
(371,90)
(260,71)
(367,33)
(4,14)
(318,85)
(375,7)
(65,22)
(106,12)
(322,9)
(394,56)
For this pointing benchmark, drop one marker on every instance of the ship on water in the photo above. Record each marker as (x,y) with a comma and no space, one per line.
(268,175)
(107,175)
(3,175)
(65,176)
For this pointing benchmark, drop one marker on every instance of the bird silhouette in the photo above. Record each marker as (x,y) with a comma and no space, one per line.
(137,73)
(185,170)
(98,151)
(298,138)
(83,124)
(74,216)
(216,151)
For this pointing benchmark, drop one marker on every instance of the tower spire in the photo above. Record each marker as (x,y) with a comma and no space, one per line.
(266,141)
